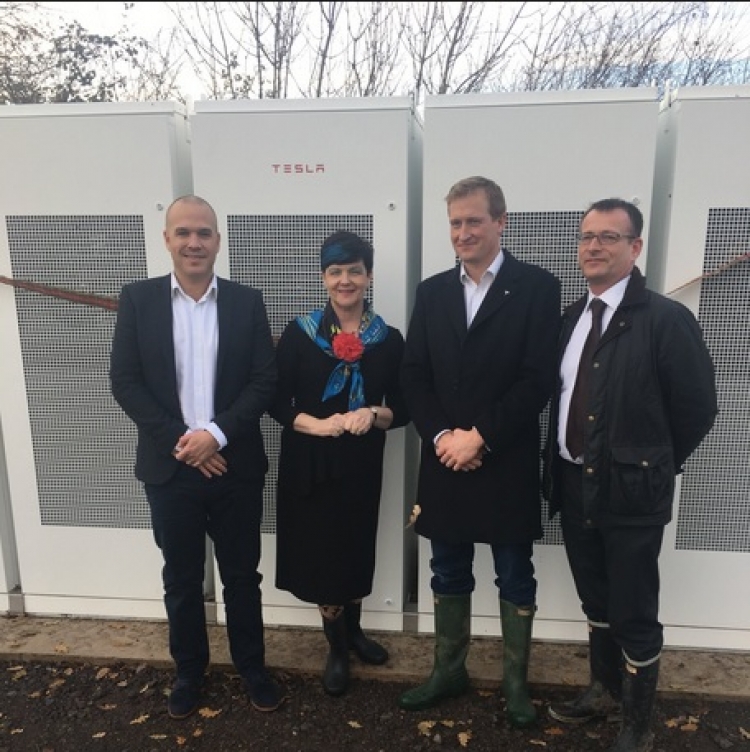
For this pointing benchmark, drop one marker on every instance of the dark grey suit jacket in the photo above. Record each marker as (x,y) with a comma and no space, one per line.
(143,376)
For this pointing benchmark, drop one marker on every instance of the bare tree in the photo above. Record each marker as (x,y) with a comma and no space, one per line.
(212,42)
(241,49)
(44,61)
(606,45)
(321,49)
(261,50)
(372,60)
(458,47)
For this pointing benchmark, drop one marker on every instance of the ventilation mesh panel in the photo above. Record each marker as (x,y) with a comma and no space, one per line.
(84,445)
(714,514)
(548,239)
(280,255)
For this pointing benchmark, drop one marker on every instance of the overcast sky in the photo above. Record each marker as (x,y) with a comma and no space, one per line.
(144,19)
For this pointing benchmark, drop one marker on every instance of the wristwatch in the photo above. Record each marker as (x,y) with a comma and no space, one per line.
(374,411)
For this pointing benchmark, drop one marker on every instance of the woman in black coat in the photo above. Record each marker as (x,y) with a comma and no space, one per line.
(337,395)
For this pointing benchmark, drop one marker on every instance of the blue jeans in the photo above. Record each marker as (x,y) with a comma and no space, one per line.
(183,512)
(452,570)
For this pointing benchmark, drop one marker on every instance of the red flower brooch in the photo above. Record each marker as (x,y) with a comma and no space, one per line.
(347,347)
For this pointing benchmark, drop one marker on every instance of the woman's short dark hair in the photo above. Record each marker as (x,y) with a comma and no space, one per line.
(344,247)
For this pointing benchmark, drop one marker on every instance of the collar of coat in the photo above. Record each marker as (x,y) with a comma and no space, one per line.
(635,294)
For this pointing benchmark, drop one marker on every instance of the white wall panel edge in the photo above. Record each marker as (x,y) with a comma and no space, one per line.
(309,616)
(93,607)
(542,98)
(89,109)
(330,104)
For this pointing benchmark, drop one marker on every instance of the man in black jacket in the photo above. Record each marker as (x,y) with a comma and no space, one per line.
(612,458)
(193,366)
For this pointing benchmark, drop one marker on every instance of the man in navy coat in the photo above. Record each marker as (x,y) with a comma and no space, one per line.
(192,364)
(478,370)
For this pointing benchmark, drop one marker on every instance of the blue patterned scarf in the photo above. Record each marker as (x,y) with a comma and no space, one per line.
(372,331)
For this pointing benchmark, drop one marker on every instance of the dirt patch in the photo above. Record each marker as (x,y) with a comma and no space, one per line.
(73,707)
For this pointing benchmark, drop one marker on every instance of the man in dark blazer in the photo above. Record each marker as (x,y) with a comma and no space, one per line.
(192,364)
(478,369)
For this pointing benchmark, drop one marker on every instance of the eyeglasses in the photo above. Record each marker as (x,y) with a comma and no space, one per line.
(604,238)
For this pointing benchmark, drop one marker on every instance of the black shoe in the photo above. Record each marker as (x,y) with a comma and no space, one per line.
(594,703)
(184,698)
(367,650)
(263,692)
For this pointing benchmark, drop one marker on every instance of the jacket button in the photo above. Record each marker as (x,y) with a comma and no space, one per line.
(644,463)
(596,364)
(592,418)
(589,470)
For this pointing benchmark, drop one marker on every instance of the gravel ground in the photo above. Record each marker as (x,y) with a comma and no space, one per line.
(82,707)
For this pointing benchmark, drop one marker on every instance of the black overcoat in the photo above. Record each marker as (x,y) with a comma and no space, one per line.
(496,375)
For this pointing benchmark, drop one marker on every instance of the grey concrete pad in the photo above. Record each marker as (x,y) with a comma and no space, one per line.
(302,650)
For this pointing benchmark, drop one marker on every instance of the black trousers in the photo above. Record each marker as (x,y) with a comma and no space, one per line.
(183,512)
(616,573)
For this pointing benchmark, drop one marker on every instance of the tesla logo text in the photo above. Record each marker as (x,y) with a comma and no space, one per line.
(297,169)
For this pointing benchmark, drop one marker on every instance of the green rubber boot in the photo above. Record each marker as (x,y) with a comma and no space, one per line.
(516,623)
(449,677)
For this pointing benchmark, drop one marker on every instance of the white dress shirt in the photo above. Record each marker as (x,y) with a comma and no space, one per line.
(474,294)
(569,365)
(195,331)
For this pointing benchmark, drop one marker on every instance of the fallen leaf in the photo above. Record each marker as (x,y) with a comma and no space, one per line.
(123,683)
(16,731)
(355,724)
(101,673)
(99,735)
(122,642)
(425,727)
(208,713)
(34,695)
(181,741)
(485,692)
(198,732)
(140,719)
(538,742)
(744,734)
(56,683)
(109,706)
(157,737)
(689,727)
(449,724)
(416,510)
(464,737)
(554,731)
